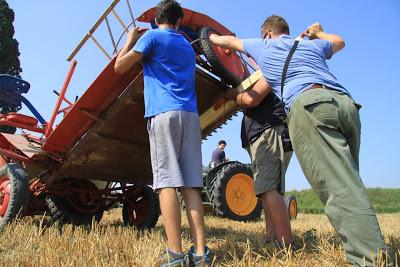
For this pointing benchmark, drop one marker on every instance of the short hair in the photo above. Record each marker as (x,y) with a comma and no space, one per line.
(221,142)
(168,11)
(276,24)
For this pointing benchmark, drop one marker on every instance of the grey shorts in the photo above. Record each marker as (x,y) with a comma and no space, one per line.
(175,148)
(269,161)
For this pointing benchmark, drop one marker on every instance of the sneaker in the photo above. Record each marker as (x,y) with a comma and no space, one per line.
(199,261)
(172,259)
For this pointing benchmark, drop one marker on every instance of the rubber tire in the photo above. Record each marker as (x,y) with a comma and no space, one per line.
(218,193)
(290,198)
(217,65)
(64,213)
(154,211)
(19,188)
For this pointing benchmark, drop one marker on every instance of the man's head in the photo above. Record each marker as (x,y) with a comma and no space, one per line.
(273,27)
(222,144)
(169,12)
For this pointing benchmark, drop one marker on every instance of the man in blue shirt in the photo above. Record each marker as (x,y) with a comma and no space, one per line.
(324,126)
(173,125)
(218,154)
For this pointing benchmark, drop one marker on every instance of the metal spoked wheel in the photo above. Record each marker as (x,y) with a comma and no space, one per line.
(13,191)
(141,210)
(79,206)
(226,63)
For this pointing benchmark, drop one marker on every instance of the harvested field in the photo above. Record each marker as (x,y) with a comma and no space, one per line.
(34,242)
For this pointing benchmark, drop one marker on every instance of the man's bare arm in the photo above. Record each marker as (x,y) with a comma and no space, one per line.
(255,95)
(126,57)
(251,98)
(227,41)
(315,31)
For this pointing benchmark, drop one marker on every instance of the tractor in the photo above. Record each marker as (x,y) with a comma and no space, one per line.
(229,190)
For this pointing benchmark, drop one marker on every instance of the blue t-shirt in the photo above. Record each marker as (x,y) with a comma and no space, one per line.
(169,72)
(307,67)
(218,156)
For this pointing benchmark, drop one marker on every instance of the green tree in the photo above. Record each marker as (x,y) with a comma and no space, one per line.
(9,53)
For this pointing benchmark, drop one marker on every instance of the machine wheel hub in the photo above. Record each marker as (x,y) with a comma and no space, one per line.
(4,195)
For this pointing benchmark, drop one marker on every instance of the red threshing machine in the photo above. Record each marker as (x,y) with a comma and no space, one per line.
(98,153)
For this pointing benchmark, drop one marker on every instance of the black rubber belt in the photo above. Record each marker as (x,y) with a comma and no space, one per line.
(286,66)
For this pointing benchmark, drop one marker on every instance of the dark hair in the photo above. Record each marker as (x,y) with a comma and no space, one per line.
(168,11)
(222,142)
(276,24)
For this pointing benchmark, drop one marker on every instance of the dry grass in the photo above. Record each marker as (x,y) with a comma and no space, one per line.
(34,242)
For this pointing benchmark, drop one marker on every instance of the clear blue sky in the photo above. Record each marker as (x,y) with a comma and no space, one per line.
(368,67)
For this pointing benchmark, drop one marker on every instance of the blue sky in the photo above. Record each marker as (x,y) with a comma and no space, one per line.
(368,67)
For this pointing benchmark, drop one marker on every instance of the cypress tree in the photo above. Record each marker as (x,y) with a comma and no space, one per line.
(9,53)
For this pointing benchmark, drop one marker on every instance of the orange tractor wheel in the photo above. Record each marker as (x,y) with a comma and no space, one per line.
(291,204)
(233,193)
(230,189)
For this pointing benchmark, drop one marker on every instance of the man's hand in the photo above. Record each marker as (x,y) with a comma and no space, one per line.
(313,31)
(126,57)
(133,36)
(214,38)
(227,41)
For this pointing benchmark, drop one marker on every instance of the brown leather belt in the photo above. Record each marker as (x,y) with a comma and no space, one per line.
(317,85)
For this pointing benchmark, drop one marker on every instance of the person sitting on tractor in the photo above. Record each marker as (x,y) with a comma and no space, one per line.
(218,155)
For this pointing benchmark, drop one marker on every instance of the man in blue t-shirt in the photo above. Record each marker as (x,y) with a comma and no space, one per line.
(173,125)
(324,127)
(218,154)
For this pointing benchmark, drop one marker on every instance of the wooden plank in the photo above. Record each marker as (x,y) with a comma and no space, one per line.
(212,115)
(249,82)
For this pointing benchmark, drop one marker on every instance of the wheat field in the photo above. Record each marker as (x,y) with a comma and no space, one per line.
(36,242)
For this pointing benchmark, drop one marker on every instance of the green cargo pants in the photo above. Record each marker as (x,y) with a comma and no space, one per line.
(325,128)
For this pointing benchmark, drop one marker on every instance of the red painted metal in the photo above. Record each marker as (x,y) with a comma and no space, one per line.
(81,194)
(4,195)
(65,110)
(13,155)
(36,186)
(49,126)
(67,101)
(4,190)
(97,98)
(138,208)
(230,60)
(5,121)
(22,119)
